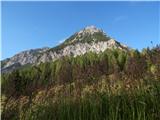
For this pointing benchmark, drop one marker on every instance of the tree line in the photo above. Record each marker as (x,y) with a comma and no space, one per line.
(88,68)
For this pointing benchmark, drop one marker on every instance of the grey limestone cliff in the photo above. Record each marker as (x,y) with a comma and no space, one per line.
(86,40)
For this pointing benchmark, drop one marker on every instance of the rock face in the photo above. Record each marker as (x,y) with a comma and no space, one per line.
(26,57)
(86,40)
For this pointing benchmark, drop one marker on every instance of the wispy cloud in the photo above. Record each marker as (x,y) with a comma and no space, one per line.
(119,19)
(61,41)
(135,2)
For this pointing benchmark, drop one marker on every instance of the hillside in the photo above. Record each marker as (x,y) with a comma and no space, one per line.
(90,76)
(114,84)
(89,39)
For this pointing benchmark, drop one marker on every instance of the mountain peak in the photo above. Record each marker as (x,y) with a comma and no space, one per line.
(87,35)
(90,29)
(89,39)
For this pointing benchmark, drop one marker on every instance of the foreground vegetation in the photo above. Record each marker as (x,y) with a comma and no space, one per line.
(113,85)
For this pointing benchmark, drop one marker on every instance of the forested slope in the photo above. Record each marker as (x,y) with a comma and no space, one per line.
(112,85)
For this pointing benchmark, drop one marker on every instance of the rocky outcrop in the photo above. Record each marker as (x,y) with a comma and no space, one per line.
(90,39)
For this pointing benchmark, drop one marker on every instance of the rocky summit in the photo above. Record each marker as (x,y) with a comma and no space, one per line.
(89,39)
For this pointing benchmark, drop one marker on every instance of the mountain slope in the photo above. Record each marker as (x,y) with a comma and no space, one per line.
(90,39)
(86,85)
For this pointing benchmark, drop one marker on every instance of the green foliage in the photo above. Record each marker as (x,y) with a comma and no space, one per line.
(139,72)
(45,73)
(85,67)
(153,69)
(100,37)
(122,60)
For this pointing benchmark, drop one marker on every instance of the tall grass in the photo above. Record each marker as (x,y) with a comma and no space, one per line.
(141,104)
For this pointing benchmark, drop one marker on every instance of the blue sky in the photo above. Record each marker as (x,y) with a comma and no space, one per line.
(28,25)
